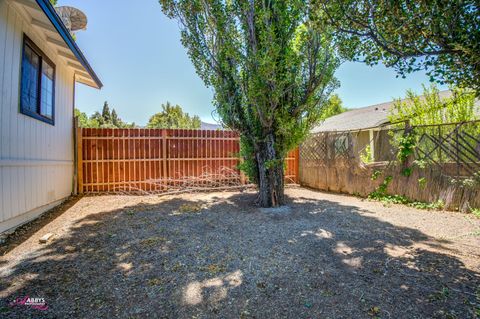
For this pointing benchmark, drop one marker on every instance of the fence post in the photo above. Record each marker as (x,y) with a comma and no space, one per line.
(408,130)
(371,135)
(297,165)
(457,151)
(164,152)
(79,158)
(439,148)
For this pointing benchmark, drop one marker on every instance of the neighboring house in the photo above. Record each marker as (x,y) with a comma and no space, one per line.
(363,118)
(210,126)
(365,124)
(39,65)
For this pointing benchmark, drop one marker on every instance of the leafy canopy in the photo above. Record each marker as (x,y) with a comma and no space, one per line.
(106,119)
(427,113)
(334,106)
(439,36)
(173,117)
(431,108)
(271,71)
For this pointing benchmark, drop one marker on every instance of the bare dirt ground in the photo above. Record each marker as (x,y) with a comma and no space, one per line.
(216,255)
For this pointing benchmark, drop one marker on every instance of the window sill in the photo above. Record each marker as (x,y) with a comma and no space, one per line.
(38,117)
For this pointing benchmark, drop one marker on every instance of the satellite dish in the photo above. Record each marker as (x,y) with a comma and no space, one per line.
(73,18)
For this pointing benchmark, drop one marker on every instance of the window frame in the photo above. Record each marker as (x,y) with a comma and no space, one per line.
(42,57)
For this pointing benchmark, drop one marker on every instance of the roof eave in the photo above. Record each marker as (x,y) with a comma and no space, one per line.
(52,15)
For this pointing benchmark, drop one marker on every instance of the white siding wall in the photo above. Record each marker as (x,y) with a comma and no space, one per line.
(36,159)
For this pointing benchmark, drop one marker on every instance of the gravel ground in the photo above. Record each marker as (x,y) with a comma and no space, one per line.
(216,255)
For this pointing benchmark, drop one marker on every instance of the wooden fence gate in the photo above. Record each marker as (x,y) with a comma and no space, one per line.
(156,160)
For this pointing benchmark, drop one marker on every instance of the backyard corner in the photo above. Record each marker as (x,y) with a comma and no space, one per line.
(207,255)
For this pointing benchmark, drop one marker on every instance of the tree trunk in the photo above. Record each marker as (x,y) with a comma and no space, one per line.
(270,175)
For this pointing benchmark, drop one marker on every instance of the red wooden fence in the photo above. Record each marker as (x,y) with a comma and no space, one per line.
(111,160)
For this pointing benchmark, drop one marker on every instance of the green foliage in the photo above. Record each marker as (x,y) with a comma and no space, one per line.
(406,146)
(272,73)
(106,114)
(82,117)
(381,194)
(269,164)
(430,108)
(388,199)
(249,167)
(407,171)
(422,182)
(441,37)
(381,191)
(53,2)
(476,212)
(366,156)
(334,106)
(438,205)
(106,119)
(375,175)
(96,120)
(421,163)
(172,116)
(116,121)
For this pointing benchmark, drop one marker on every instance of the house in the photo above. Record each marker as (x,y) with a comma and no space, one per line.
(39,66)
(357,152)
(365,124)
(363,118)
(210,126)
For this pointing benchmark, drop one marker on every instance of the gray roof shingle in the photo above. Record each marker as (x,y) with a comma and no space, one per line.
(210,126)
(362,118)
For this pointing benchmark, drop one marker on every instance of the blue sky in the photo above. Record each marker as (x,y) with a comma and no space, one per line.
(136,52)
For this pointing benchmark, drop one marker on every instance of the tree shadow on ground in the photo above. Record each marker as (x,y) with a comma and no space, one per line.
(222,257)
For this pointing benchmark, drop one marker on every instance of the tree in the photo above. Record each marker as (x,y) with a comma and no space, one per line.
(439,36)
(333,107)
(53,2)
(106,115)
(116,121)
(173,117)
(97,119)
(430,108)
(82,117)
(106,119)
(271,72)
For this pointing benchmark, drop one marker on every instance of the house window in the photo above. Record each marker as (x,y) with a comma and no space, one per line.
(37,94)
